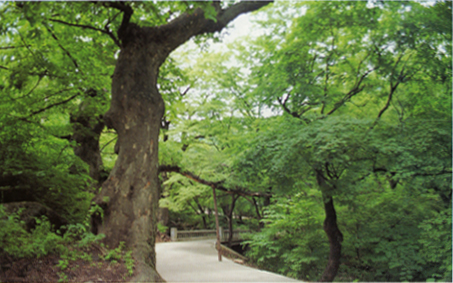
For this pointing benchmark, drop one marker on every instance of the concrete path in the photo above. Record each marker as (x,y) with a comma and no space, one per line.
(197,261)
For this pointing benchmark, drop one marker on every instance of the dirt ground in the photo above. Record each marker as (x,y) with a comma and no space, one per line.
(45,269)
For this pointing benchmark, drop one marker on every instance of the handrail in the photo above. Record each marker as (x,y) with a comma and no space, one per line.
(187,235)
(195,231)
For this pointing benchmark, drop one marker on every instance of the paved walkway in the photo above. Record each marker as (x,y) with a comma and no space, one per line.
(197,261)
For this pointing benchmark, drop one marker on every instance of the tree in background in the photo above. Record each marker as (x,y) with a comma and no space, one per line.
(361,95)
(352,77)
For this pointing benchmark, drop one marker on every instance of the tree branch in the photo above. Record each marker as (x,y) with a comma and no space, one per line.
(27,94)
(214,185)
(109,142)
(389,99)
(127,14)
(105,31)
(285,108)
(229,14)
(187,25)
(185,91)
(352,92)
(64,49)
(12,47)
(50,106)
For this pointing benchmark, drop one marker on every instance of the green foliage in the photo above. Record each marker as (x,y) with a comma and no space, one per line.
(389,235)
(47,81)
(357,92)
(63,277)
(382,235)
(42,240)
(119,253)
(436,236)
(41,164)
(129,262)
(162,228)
(292,242)
(16,241)
(86,240)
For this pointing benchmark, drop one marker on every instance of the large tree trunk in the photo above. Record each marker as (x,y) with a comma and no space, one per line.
(331,228)
(131,193)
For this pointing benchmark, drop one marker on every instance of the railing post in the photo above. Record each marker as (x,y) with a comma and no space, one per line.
(222,235)
(218,244)
(174,234)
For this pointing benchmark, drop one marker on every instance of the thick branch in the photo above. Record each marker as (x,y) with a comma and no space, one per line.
(283,104)
(215,185)
(187,25)
(127,14)
(229,14)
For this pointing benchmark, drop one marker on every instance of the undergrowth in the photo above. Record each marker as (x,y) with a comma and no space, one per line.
(71,242)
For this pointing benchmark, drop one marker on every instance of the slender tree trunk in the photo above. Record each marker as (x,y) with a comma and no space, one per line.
(230,219)
(258,214)
(330,227)
(87,131)
(335,239)
(131,193)
(203,215)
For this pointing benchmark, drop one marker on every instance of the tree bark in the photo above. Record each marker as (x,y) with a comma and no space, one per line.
(130,195)
(332,231)
(335,239)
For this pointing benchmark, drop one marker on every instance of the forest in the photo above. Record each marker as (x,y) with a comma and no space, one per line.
(326,131)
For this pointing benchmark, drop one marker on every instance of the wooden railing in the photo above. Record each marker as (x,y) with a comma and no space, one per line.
(191,235)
